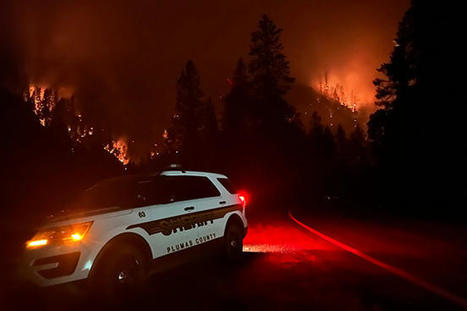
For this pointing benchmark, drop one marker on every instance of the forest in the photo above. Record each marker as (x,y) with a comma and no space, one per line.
(407,160)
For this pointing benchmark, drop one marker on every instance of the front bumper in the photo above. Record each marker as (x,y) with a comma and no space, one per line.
(53,265)
(60,265)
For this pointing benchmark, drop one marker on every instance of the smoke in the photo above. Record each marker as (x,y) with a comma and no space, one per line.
(121,59)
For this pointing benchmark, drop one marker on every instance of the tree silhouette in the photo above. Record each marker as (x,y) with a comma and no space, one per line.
(188,103)
(357,137)
(270,73)
(194,128)
(238,101)
(341,142)
(341,138)
(417,130)
(268,66)
(316,127)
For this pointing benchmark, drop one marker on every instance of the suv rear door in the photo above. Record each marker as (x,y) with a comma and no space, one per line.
(209,209)
(186,215)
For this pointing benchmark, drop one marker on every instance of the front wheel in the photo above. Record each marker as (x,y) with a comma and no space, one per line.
(121,273)
(233,242)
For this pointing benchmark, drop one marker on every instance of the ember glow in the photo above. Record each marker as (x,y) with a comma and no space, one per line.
(79,130)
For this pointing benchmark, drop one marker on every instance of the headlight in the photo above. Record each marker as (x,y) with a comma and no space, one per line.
(64,234)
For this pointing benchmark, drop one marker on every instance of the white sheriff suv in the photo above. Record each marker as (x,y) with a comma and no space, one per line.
(119,227)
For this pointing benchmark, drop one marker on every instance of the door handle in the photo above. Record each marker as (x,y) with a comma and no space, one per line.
(222,202)
(189,208)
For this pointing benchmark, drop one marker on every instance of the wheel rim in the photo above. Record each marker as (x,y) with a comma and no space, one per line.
(126,274)
(122,276)
(234,243)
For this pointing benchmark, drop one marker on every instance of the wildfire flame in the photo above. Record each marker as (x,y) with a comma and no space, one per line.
(44,100)
(338,92)
(119,148)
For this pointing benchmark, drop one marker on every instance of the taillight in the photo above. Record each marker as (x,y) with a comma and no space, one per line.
(243,197)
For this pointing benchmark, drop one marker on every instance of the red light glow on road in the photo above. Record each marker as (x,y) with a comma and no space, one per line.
(283,245)
(280,239)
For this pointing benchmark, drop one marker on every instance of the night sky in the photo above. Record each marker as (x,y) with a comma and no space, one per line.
(121,58)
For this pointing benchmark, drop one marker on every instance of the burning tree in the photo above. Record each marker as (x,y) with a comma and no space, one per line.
(43,102)
(336,92)
(63,115)
(119,148)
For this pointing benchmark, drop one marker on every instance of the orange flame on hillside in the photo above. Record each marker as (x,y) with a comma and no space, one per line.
(44,100)
(119,149)
(338,92)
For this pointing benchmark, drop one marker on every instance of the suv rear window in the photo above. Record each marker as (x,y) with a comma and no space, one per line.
(227,185)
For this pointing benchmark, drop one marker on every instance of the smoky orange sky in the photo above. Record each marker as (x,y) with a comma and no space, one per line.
(122,58)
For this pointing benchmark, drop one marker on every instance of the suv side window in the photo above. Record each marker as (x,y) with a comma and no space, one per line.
(227,185)
(155,191)
(168,189)
(193,187)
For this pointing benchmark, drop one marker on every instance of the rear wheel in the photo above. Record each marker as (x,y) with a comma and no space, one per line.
(233,242)
(121,273)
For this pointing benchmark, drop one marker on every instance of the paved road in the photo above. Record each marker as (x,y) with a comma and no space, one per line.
(284,268)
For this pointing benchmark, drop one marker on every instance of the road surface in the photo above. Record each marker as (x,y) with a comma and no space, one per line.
(287,267)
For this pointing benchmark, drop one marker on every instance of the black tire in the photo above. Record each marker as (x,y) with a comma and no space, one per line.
(120,274)
(233,242)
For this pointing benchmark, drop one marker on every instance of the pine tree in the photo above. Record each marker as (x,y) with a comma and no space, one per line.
(237,102)
(423,73)
(209,120)
(341,141)
(340,135)
(417,129)
(189,96)
(194,131)
(316,125)
(328,143)
(268,66)
(188,102)
(392,93)
(48,105)
(358,136)
(270,73)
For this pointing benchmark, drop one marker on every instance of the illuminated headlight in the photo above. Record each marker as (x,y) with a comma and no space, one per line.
(64,234)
